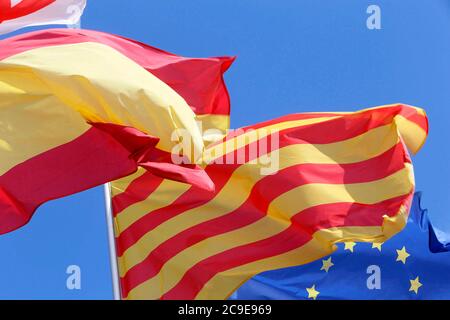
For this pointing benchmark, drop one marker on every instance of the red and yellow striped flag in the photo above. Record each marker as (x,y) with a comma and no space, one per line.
(79,108)
(339,177)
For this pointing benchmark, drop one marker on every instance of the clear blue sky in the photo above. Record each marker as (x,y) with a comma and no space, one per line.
(293,56)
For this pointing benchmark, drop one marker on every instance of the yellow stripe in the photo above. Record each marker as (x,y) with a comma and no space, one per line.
(166,193)
(413,135)
(32,124)
(99,83)
(237,189)
(119,186)
(420,111)
(220,149)
(278,219)
(309,195)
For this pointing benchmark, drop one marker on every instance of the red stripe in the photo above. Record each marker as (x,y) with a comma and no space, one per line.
(89,160)
(198,80)
(303,226)
(291,117)
(255,207)
(375,117)
(420,120)
(335,130)
(138,190)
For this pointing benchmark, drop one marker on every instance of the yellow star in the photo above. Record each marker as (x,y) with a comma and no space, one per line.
(349,246)
(312,292)
(402,255)
(415,285)
(377,245)
(327,264)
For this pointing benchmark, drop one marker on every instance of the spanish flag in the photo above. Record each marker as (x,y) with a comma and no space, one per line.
(286,191)
(81,108)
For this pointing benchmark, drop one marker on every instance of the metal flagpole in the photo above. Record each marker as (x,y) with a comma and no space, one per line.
(111,242)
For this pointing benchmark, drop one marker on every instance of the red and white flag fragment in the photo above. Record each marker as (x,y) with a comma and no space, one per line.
(17,14)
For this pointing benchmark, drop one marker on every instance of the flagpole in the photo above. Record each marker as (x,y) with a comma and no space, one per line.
(111,242)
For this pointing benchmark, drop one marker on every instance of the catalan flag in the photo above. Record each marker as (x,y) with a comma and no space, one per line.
(412,265)
(286,191)
(81,108)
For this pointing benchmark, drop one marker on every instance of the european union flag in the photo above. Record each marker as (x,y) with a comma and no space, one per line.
(414,264)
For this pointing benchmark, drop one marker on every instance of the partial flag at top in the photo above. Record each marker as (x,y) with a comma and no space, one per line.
(17,14)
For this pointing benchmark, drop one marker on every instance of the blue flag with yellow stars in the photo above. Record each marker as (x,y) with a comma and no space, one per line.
(414,264)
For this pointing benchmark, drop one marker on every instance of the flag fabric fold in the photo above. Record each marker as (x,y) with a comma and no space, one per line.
(286,191)
(405,267)
(144,152)
(439,241)
(15,15)
(76,111)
